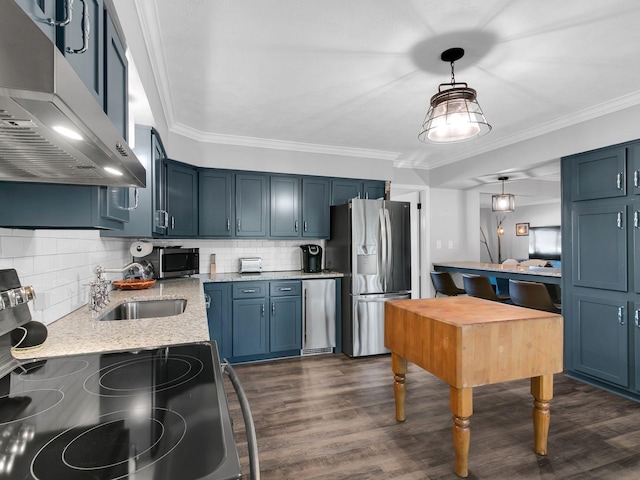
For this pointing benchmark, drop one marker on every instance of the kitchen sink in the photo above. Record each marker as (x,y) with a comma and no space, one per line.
(146,309)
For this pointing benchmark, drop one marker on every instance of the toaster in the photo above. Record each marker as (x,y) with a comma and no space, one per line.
(251,265)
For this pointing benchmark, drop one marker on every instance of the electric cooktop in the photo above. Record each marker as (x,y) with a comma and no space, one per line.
(151,414)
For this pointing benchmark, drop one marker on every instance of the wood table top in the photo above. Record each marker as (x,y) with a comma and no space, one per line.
(468,341)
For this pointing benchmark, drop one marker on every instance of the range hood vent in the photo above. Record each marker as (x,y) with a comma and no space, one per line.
(39,93)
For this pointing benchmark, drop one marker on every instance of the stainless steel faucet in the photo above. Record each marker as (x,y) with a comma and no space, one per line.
(99,288)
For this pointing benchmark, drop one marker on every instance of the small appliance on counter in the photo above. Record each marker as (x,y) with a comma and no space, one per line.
(173,261)
(250,265)
(311,258)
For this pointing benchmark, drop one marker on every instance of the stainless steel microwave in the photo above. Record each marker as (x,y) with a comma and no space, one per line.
(170,262)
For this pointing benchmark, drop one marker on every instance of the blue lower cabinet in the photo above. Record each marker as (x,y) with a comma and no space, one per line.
(255,320)
(250,327)
(285,324)
(218,298)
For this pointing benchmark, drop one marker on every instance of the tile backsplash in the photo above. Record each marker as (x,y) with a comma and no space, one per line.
(277,255)
(59,263)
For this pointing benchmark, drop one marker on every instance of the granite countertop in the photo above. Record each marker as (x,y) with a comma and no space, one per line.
(82,332)
(284,275)
(498,267)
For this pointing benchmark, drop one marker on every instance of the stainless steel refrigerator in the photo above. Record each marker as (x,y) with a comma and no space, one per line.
(371,245)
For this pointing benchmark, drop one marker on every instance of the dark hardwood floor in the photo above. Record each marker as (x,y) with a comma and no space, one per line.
(332,417)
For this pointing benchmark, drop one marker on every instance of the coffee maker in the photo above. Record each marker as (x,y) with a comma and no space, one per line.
(311,258)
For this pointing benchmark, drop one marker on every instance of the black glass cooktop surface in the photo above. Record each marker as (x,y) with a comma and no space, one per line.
(153,414)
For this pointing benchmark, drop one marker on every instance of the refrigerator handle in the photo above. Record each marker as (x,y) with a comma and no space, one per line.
(389,267)
(383,247)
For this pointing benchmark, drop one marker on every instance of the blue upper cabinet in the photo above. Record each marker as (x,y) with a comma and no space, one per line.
(115,78)
(315,207)
(251,205)
(82,43)
(285,206)
(599,174)
(44,205)
(299,212)
(182,199)
(344,189)
(216,215)
(42,12)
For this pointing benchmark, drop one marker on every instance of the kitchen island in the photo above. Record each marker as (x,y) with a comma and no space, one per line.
(468,342)
(548,275)
(81,331)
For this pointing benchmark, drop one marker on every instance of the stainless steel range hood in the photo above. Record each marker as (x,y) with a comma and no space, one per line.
(39,92)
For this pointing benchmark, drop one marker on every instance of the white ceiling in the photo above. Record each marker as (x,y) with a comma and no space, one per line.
(357,75)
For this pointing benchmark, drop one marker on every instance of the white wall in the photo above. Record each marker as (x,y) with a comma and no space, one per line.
(454,226)
(513,246)
(59,265)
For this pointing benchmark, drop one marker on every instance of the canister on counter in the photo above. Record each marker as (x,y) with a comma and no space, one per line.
(213,264)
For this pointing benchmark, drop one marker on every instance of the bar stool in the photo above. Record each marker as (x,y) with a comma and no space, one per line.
(444,284)
(480,286)
(532,295)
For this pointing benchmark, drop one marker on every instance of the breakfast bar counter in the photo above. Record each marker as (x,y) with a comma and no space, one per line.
(549,275)
(467,342)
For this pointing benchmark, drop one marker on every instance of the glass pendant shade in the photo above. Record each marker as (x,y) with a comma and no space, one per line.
(503,203)
(454,116)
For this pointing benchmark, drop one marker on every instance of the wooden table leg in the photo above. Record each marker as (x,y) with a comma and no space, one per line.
(461,404)
(542,391)
(399,367)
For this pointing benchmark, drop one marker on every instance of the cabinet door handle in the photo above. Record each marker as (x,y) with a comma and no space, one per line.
(305,225)
(173,223)
(238,225)
(621,315)
(295,225)
(136,200)
(207,300)
(284,289)
(228,225)
(619,180)
(636,178)
(636,219)
(636,318)
(273,309)
(619,221)
(86,27)
(65,22)
(249,290)
(262,311)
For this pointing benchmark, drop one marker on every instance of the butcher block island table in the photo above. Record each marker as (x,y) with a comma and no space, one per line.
(468,342)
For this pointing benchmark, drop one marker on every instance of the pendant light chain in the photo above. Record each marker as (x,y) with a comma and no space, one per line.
(453,77)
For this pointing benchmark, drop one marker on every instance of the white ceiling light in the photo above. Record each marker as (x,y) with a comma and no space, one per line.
(454,114)
(505,202)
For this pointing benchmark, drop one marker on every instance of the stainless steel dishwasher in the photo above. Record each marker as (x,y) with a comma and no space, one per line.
(318,316)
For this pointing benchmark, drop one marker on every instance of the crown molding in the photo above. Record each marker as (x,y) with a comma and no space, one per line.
(150,26)
(205,137)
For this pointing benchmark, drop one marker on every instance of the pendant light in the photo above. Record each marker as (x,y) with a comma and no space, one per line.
(454,114)
(505,202)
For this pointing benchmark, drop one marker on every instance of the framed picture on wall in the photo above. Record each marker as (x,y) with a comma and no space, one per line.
(522,229)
